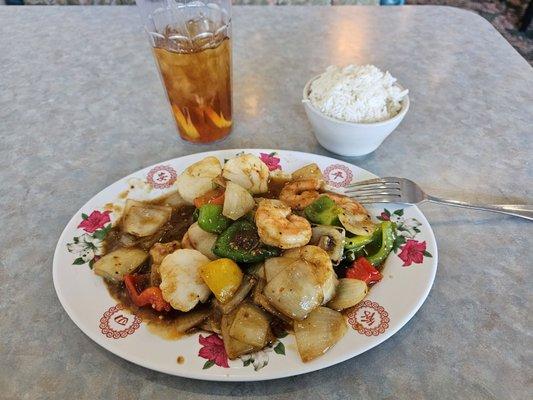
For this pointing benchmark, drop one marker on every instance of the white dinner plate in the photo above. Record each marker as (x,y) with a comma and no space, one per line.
(408,275)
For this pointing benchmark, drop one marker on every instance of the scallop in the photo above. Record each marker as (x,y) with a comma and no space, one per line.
(181,283)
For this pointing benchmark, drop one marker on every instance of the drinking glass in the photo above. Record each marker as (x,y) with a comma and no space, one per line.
(191,42)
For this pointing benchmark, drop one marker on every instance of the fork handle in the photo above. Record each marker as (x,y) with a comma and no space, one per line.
(518,210)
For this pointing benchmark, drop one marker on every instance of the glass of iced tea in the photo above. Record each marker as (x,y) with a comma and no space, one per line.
(191,42)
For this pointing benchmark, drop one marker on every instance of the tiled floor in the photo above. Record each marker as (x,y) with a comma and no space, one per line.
(503,14)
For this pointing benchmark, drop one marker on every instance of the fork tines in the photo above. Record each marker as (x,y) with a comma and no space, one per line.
(380,190)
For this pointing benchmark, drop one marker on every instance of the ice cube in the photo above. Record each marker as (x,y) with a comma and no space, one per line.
(199,25)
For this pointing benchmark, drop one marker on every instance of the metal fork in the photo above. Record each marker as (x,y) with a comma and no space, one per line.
(401,190)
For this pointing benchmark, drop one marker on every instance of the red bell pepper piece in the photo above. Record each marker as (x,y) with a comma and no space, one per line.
(150,296)
(215,196)
(363,270)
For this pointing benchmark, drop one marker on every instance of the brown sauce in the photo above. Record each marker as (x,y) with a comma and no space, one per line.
(174,229)
(119,293)
(165,329)
(159,323)
(165,324)
(274,188)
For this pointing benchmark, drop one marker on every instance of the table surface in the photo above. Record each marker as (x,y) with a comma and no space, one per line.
(81,105)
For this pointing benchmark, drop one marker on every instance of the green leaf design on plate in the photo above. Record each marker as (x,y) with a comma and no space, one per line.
(100,234)
(247,362)
(280,348)
(397,243)
(84,216)
(399,212)
(78,261)
(427,254)
(386,212)
(208,364)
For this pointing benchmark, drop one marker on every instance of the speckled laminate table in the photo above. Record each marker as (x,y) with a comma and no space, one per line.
(81,106)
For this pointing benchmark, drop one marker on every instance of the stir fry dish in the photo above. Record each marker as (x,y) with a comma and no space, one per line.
(248,254)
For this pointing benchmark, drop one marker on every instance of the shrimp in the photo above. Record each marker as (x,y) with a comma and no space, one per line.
(247,171)
(299,194)
(277,226)
(348,204)
(354,216)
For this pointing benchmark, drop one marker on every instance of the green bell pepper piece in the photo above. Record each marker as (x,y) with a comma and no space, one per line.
(211,220)
(387,241)
(357,243)
(323,211)
(241,243)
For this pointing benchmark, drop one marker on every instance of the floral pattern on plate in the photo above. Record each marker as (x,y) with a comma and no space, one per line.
(410,250)
(270,159)
(214,352)
(89,246)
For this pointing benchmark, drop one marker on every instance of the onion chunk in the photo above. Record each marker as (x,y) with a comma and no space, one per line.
(295,291)
(237,201)
(115,265)
(234,348)
(310,171)
(251,325)
(318,332)
(349,293)
(358,224)
(330,239)
(274,265)
(142,219)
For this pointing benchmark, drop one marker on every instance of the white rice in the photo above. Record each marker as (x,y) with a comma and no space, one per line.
(357,94)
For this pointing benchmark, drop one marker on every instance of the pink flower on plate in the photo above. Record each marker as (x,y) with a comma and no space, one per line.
(270,160)
(384,216)
(213,350)
(412,252)
(94,221)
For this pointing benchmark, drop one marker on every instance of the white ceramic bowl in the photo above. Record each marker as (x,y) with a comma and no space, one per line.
(349,138)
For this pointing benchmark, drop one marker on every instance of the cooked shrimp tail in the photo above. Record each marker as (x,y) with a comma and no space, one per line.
(299,194)
(277,226)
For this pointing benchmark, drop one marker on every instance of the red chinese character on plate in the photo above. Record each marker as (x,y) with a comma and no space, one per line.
(338,175)
(116,325)
(369,318)
(121,319)
(162,177)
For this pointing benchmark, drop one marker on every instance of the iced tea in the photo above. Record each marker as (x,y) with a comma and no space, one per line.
(198,83)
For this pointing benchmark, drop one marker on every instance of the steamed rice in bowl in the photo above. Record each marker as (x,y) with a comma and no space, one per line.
(359,94)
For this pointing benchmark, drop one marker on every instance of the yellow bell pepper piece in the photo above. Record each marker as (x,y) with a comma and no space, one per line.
(223,277)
